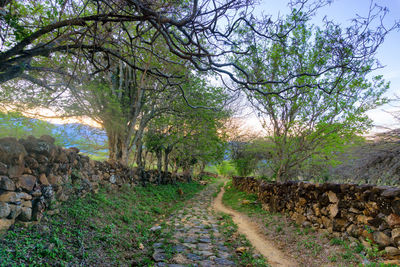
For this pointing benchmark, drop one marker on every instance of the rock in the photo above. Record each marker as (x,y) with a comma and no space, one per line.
(354,210)
(43,179)
(391,192)
(26,182)
(366,244)
(332,197)
(371,209)
(393,220)
(376,222)
(339,224)
(363,220)
(36,193)
(113,180)
(204,240)
(224,262)
(47,138)
(27,203)
(179,259)
(205,253)
(4,210)
(299,218)
(333,210)
(3,168)
(240,250)
(11,151)
(15,211)
(6,184)
(155,228)
(193,257)
(351,229)
(326,222)
(367,235)
(32,162)
(317,210)
(54,179)
(396,236)
(15,171)
(392,251)
(38,209)
(26,214)
(9,197)
(5,224)
(24,196)
(396,206)
(159,256)
(381,239)
(39,146)
(302,201)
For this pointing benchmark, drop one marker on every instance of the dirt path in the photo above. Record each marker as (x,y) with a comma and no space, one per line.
(258,240)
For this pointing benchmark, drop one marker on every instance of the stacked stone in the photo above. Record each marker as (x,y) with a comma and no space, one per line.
(365,212)
(36,175)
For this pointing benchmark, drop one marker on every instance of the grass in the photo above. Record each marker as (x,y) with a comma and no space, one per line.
(235,240)
(109,227)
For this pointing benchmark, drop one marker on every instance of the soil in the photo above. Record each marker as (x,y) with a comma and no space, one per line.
(253,233)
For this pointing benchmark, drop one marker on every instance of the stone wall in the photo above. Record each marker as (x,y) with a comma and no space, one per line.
(36,175)
(349,210)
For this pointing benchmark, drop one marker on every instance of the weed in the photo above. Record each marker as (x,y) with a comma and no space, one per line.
(104,227)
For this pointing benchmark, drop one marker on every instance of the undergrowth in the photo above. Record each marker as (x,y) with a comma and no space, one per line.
(104,229)
(235,240)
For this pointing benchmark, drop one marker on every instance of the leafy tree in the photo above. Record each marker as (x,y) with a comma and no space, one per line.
(320,112)
(246,156)
(196,32)
(188,135)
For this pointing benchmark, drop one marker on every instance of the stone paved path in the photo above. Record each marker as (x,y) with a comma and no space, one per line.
(195,239)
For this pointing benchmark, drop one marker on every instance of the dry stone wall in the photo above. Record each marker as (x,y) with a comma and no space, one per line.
(36,175)
(365,212)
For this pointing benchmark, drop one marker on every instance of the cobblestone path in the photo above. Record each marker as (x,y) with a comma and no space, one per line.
(191,236)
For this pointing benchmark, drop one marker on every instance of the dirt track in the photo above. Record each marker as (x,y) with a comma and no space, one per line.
(265,247)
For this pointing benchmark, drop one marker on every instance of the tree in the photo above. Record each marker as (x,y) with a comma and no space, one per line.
(306,120)
(189,135)
(197,32)
(246,155)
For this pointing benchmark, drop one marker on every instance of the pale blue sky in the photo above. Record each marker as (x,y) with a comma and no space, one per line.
(342,11)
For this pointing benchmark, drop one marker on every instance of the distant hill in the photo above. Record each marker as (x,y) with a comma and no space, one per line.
(89,140)
(376,161)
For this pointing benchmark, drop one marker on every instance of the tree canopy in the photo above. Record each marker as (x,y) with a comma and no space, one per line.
(319,112)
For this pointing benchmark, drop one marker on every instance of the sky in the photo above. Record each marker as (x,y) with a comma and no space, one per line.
(342,11)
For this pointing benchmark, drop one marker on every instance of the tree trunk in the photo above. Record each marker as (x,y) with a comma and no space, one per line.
(166,161)
(139,160)
(159,165)
(118,151)
(202,166)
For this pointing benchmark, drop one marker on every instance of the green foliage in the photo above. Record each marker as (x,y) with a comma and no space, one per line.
(309,117)
(188,135)
(247,156)
(225,168)
(104,227)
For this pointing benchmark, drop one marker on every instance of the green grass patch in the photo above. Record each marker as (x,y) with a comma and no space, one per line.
(234,240)
(234,198)
(111,227)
